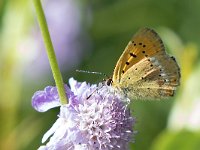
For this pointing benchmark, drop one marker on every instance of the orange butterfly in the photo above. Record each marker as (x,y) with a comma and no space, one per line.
(145,70)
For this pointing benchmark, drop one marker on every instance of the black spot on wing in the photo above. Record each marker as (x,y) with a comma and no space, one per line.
(133,55)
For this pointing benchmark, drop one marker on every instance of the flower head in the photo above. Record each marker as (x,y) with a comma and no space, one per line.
(95,118)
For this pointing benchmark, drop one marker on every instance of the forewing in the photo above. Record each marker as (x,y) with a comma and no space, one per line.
(145,43)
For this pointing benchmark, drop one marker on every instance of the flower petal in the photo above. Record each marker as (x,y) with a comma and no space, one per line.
(77,87)
(54,128)
(43,148)
(45,100)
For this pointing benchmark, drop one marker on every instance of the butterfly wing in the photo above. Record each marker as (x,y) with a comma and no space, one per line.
(146,71)
(145,43)
(152,78)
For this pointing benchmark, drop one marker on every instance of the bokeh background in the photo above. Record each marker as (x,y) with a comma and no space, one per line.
(91,35)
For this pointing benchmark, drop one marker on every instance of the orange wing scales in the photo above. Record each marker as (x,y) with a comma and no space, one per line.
(154,78)
(144,70)
(144,44)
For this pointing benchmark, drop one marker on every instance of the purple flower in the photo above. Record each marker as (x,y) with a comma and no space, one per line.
(95,118)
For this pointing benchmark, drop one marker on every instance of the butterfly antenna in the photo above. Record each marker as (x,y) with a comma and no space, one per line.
(92,72)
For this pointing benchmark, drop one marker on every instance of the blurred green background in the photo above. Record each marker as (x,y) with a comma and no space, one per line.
(93,35)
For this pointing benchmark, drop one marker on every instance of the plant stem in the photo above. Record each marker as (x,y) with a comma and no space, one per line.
(50,51)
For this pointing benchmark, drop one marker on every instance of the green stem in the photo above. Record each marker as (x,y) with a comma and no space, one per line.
(50,51)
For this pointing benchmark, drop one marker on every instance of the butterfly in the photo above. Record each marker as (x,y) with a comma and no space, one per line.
(145,70)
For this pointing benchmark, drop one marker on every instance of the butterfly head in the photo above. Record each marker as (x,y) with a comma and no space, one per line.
(109,81)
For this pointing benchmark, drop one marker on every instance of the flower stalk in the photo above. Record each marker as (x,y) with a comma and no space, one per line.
(50,51)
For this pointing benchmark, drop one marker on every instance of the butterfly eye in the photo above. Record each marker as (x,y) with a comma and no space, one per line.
(109,82)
